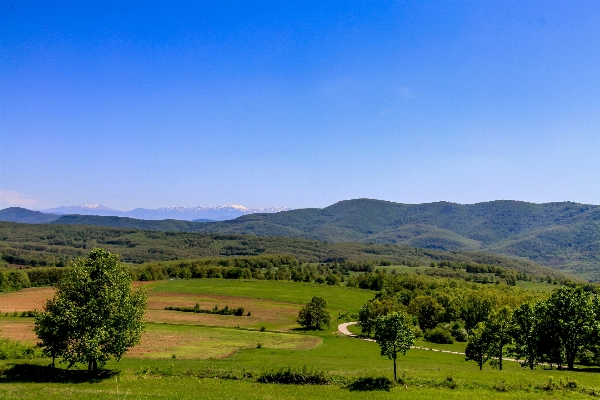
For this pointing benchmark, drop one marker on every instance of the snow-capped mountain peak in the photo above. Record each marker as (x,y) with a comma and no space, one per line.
(218,213)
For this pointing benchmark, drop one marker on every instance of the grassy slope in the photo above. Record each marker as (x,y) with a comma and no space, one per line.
(338,298)
(338,355)
(425,372)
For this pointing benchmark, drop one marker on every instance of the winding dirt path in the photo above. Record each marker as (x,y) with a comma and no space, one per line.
(343,329)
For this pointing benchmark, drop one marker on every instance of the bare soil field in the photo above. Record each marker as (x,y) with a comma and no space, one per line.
(25,299)
(20,329)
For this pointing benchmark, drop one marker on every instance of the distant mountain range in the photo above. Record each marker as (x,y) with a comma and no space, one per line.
(199,214)
(564,236)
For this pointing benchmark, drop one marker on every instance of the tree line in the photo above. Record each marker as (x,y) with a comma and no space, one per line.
(560,330)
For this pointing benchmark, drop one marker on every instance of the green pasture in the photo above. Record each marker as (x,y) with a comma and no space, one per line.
(338,298)
(199,342)
(426,374)
(182,361)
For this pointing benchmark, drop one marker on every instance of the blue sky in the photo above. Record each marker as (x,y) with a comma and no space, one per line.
(149,104)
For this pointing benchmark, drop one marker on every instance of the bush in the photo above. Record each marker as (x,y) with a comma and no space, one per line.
(418,332)
(459,332)
(333,279)
(439,335)
(291,376)
(11,349)
(369,383)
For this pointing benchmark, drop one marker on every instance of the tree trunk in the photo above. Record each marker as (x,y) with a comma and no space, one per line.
(394,369)
(500,359)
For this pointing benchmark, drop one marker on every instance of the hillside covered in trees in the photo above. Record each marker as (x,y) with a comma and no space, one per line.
(56,245)
(564,236)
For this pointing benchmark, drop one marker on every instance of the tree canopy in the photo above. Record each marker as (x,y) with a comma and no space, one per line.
(314,315)
(95,313)
(394,335)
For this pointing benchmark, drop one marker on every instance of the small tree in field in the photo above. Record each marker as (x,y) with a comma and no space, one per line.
(394,335)
(94,315)
(314,315)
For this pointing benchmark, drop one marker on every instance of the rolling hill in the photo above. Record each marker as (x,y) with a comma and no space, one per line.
(564,236)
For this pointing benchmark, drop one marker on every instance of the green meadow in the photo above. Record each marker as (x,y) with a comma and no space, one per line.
(186,359)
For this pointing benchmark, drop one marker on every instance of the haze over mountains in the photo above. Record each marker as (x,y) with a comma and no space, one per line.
(564,236)
(204,214)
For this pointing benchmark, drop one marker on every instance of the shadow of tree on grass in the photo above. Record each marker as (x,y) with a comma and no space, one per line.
(47,374)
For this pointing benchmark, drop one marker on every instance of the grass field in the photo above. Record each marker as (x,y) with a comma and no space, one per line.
(338,298)
(181,354)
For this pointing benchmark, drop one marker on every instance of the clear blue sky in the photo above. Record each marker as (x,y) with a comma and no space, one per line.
(150,104)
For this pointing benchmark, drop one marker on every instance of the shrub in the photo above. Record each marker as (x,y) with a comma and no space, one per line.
(417,331)
(302,376)
(439,335)
(333,279)
(10,349)
(370,383)
(459,332)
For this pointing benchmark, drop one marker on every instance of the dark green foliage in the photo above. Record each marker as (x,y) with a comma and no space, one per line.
(478,345)
(440,335)
(13,280)
(498,333)
(525,335)
(238,312)
(370,383)
(55,245)
(292,376)
(565,325)
(428,311)
(314,315)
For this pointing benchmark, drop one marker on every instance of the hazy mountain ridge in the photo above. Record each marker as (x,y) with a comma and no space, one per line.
(219,213)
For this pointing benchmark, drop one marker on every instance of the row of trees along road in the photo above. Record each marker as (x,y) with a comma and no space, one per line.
(94,314)
(559,330)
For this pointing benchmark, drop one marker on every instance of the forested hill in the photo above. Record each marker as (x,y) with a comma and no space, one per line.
(565,236)
(55,245)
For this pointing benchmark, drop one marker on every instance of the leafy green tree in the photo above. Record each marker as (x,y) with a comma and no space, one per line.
(478,345)
(498,334)
(314,315)
(524,334)
(394,335)
(427,310)
(567,320)
(475,310)
(366,318)
(94,314)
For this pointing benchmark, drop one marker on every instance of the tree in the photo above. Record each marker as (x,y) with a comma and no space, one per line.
(366,318)
(394,335)
(314,315)
(477,347)
(567,321)
(475,310)
(427,310)
(94,314)
(523,332)
(498,334)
